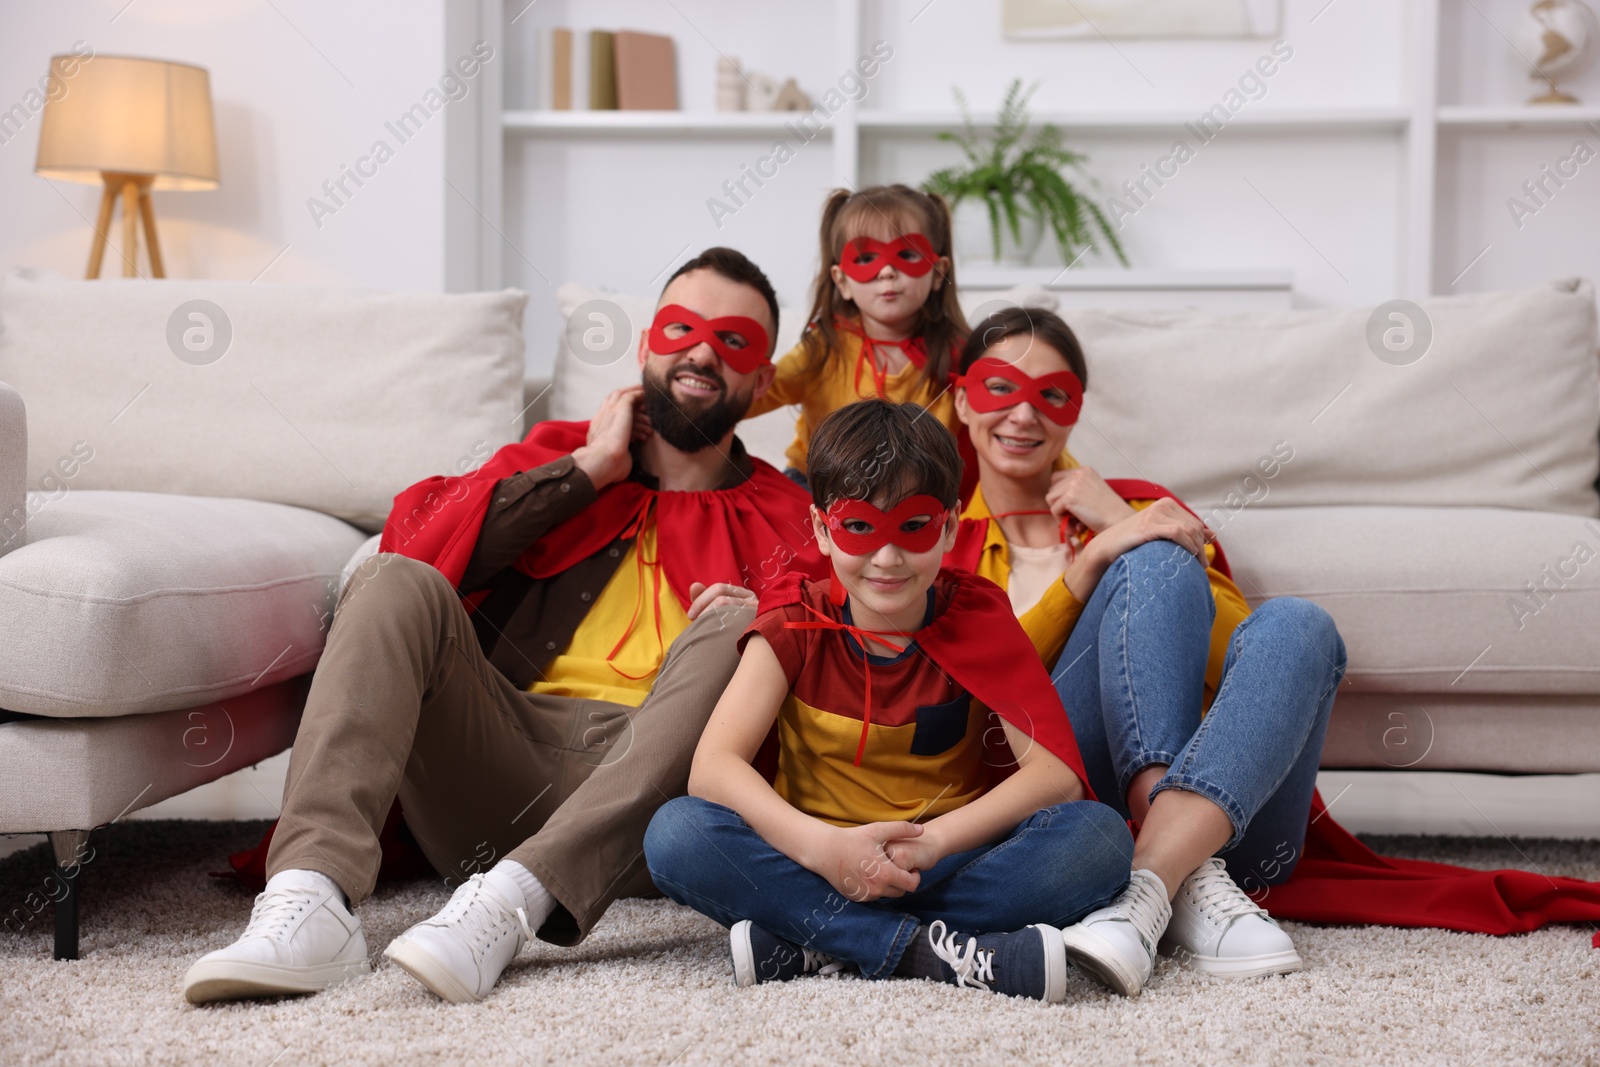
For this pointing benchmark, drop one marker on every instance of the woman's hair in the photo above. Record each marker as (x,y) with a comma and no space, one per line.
(885,212)
(1038,323)
(882,452)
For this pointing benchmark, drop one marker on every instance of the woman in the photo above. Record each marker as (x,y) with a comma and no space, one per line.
(1198,719)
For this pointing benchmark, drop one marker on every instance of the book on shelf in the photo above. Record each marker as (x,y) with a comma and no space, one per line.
(560,67)
(602,70)
(647,72)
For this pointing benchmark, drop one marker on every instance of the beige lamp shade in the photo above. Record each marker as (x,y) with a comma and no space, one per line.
(131,116)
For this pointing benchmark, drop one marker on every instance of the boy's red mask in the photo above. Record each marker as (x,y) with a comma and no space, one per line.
(1030,390)
(886,524)
(744,360)
(863,258)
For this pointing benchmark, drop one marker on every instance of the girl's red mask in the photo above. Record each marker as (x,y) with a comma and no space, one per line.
(1062,410)
(863,258)
(886,525)
(744,360)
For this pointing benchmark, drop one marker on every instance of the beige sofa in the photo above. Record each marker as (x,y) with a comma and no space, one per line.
(186,469)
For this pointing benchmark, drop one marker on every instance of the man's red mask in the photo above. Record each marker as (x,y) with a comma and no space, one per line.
(885,526)
(863,258)
(744,360)
(1061,408)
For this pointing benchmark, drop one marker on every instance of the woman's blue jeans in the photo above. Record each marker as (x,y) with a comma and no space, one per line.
(1132,678)
(1058,865)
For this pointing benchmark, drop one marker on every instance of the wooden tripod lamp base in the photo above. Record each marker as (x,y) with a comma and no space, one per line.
(134,192)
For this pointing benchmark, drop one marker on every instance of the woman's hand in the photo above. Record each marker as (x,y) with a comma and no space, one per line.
(1085,495)
(854,862)
(621,421)
(1164,520)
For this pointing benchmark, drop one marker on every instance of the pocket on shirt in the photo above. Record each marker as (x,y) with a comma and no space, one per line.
(941,727)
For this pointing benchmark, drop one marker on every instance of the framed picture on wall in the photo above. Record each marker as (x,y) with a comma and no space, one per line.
(1096,19)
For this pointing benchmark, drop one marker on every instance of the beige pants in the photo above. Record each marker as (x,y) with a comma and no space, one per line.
(404,703)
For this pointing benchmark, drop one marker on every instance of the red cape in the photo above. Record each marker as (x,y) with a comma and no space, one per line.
(975,631)
(1340,880)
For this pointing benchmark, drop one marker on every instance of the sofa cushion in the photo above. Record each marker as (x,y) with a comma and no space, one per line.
(322,397)
(1437,600)
(123,603)
(582,378)
(1501,410)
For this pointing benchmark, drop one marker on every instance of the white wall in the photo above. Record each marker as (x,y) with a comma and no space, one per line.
(300,88)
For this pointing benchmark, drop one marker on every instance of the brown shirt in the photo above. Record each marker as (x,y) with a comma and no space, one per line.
(524,622)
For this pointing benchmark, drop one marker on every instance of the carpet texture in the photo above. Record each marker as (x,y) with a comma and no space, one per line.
(653,986)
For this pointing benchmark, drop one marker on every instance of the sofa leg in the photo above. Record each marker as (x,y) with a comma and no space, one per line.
(70,848)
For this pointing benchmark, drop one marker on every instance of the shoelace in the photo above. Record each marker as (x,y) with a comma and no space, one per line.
(818,962)
(973,967)
(1216,894)
(1142,904)
(482,912)
(271,915)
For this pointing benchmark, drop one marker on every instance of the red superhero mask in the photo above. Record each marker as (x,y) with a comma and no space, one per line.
(863,258)
(885,525)
(1062,409)
(744,360)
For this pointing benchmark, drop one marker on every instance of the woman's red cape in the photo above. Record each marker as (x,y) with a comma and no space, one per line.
(1340,880)
(748,535)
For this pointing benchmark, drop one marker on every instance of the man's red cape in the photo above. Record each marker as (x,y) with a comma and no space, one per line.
(748,535)
(1340,880)
(975,632)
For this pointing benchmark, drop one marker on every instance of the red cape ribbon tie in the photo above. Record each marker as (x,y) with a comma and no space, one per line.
(1029,390)
(1066,526)
(867,358)
(744,360)
(862,636)
(636,530)
(863,258)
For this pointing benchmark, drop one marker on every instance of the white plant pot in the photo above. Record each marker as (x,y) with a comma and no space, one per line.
(974,239)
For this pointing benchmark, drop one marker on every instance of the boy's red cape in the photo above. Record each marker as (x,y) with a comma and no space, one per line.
(975,631)
(1340,880)
(749,535)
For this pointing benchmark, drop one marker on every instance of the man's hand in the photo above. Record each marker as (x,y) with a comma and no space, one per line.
(1086,496)
(702,596)
(854,862)
(604,457)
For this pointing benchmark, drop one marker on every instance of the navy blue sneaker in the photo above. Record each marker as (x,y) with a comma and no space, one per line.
(762,957)
(1029,963)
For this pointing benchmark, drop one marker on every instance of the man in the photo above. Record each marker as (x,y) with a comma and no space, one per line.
(606,566)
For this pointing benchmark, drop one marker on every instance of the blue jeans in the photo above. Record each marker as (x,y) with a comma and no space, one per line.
(1058,865)
(1132,678)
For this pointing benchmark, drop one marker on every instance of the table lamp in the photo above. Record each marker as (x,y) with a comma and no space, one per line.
(134,125)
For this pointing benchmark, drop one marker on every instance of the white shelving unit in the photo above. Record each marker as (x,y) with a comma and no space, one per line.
(1451,117)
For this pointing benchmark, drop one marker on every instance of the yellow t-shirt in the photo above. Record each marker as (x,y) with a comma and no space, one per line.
(821,395)
(582,669)
(1049,622)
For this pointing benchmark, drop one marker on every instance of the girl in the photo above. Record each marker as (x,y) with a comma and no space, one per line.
(1146,638)
(884,320)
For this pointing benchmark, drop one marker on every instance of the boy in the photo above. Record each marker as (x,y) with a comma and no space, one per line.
(871,678)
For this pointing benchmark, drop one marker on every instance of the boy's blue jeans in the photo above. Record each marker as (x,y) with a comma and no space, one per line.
(1058,865)
(1132,678)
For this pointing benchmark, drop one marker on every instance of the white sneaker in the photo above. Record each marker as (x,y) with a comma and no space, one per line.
(1220,930)
(1117,944)
(461,952)
(300,939)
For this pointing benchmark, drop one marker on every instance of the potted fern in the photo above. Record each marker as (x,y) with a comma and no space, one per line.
(1014,184)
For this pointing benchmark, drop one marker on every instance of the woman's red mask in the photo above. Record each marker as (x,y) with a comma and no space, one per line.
(711,331)
(863,258)
(1058,396)
(884,527)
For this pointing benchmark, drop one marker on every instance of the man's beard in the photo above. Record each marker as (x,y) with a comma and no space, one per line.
(691,426)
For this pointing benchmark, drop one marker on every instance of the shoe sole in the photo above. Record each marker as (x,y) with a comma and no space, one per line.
(744,956)
(1286,962)
(1098,958)
(212,980)
(1055,964)
(419,964)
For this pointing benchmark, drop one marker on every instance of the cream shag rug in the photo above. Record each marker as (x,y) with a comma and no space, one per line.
(653,986)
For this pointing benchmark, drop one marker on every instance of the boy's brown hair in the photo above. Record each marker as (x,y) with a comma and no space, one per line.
(882,452)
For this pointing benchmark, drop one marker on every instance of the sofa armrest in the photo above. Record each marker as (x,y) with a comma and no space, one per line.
(13,470)
(536,402)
